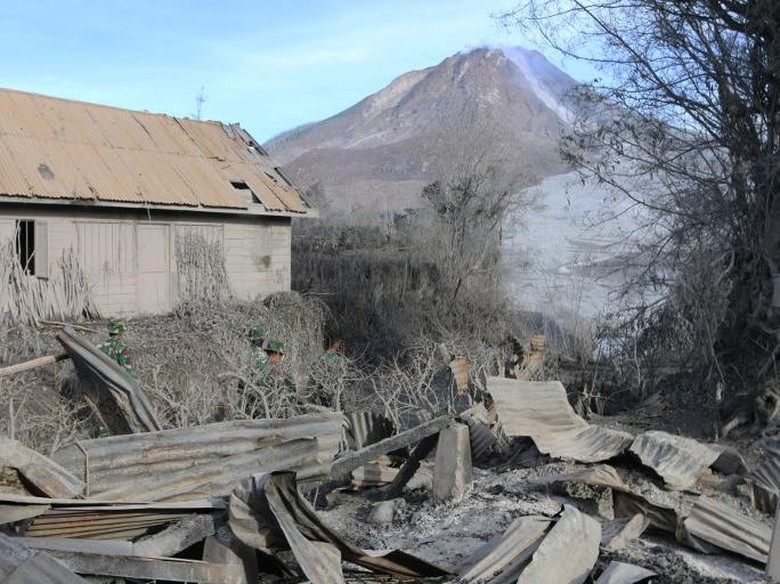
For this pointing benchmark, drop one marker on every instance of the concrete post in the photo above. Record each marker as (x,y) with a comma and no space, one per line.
(452,471)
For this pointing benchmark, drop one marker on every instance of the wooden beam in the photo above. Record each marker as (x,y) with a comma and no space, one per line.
(32,364)
(176,538)
(409,468)
(342,467)
(150,568)
(62,544)
(46,476)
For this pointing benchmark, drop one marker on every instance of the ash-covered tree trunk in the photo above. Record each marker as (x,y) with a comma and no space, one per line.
(685,124)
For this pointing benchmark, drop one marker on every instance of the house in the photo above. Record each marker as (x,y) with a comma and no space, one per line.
(128,199)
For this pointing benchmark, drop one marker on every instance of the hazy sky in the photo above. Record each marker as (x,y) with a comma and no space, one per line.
(268,67)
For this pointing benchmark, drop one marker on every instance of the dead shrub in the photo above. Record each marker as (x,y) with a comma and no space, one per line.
(200,271)
(40,407)
(24,299)
(419,382)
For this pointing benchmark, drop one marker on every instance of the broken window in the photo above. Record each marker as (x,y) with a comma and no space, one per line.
(32,247)
(250,195)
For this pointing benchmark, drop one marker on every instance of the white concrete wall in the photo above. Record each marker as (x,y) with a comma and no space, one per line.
(129,256)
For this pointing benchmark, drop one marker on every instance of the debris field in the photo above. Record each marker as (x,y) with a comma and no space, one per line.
(515,487)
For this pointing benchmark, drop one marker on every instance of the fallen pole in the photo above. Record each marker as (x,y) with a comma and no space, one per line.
(33,364)
(346,464)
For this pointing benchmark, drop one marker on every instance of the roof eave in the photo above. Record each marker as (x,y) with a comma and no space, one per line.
(310,213)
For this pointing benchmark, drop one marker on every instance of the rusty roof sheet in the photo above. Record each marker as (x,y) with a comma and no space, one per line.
(540,410)
(54,148)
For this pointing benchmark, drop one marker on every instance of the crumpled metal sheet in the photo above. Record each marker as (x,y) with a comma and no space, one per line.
(765,479)
(122,403)
(483,439)
(46,476)
(540,410)
(203,461)
(21,565)
(712,523)
(568,552)
(617,534)
(504,557)
(679,460)
(621,573)
(266,511)
(707,526)
(600,475)
(364,428)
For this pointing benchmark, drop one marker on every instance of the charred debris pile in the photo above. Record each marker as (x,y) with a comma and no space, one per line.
(510,484)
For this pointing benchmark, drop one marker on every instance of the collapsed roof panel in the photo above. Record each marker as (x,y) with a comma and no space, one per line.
(541,411)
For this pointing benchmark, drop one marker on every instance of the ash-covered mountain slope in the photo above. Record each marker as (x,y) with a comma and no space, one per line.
(378,153)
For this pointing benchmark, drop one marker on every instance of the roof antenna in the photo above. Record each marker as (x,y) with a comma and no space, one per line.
(200,99)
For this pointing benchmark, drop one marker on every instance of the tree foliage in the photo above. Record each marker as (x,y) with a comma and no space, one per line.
(687,126)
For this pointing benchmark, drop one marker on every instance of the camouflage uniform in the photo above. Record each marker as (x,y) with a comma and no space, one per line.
(115,347)
(257,340)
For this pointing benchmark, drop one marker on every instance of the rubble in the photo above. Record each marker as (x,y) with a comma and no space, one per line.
(267,511)
(203,503)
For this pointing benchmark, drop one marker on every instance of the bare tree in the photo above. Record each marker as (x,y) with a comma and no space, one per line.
(689,110)
(475,188)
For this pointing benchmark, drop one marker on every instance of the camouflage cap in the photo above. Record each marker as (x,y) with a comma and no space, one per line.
(256,335)
(275,346)
(116,327)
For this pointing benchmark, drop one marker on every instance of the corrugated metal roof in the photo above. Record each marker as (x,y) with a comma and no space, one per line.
(53,148)
(540,410)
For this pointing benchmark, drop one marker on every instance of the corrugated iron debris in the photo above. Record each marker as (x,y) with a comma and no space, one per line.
(204,503)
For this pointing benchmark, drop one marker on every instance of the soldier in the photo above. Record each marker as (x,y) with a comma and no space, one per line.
(257,340)
(274,350)
(115,348)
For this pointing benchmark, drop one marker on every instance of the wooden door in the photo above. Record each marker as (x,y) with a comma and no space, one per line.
(154,269)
